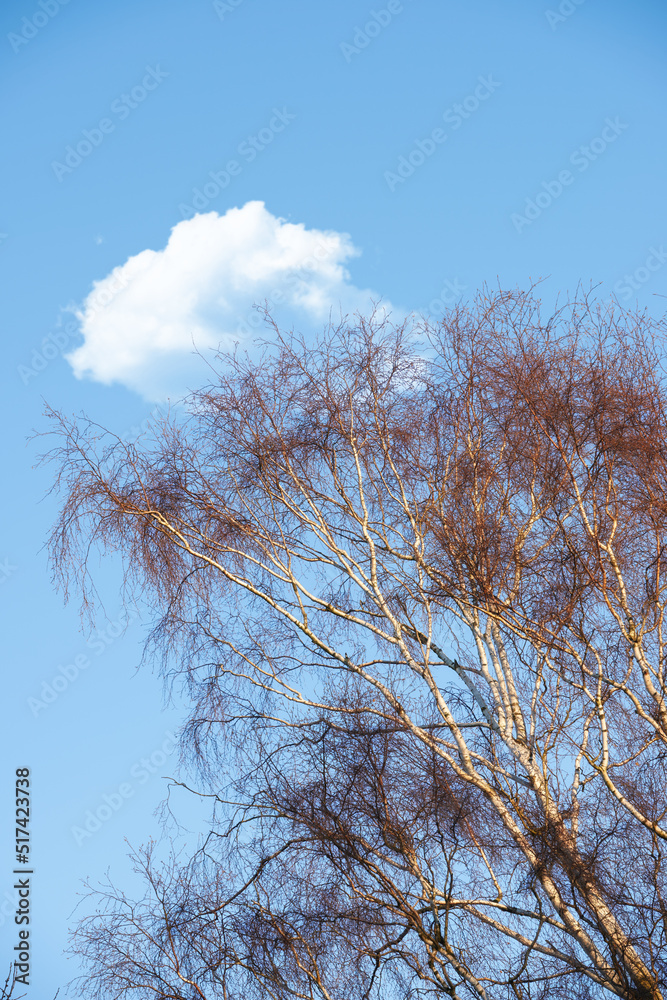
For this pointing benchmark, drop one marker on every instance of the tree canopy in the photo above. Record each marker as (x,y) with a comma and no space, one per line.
(412,579)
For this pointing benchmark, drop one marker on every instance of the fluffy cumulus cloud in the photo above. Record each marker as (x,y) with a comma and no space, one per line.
(144,322)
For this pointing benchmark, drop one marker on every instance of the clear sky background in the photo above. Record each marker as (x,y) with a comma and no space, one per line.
(120,121)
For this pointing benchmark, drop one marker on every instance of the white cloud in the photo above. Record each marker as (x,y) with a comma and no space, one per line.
(139,323)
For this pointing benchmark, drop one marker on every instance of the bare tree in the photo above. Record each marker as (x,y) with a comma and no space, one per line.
(416,589)
(7,988)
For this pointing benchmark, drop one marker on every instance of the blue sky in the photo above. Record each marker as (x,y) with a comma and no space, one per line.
(403,152)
